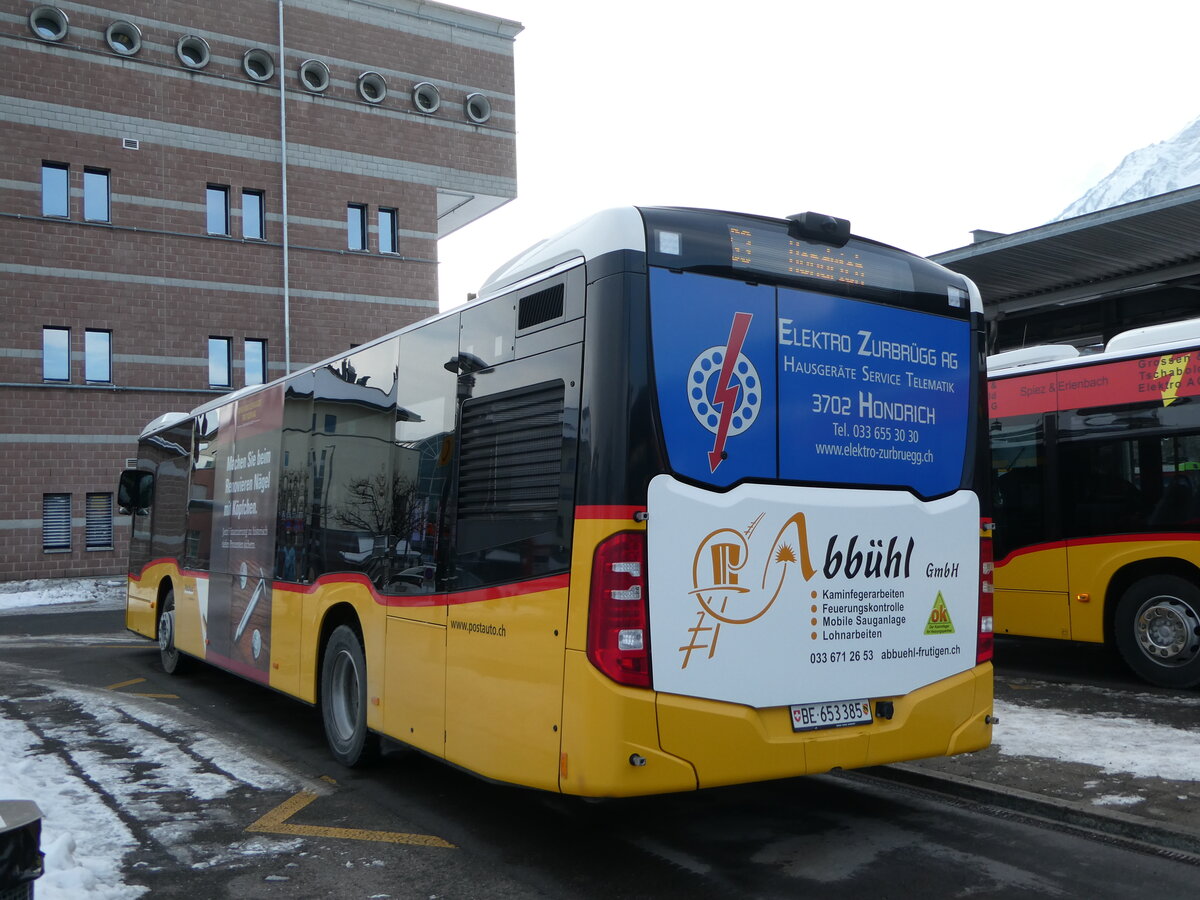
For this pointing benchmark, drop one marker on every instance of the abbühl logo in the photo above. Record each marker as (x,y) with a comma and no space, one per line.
(724,389)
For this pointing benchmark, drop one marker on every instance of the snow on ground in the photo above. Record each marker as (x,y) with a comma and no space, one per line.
(84,841)
(62,594)
(95,764)
(1142,748)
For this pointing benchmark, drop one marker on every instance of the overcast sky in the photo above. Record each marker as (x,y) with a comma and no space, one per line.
(917,120)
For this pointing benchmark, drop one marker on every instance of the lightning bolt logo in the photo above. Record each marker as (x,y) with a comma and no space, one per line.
(1172,368)
(726,396)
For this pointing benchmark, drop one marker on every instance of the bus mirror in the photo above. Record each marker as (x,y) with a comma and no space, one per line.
(135,492)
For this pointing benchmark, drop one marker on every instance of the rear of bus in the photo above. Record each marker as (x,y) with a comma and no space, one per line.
(778,519)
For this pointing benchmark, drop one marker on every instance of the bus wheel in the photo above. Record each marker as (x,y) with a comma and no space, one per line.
(172,661)
(344,699)
(1158,630)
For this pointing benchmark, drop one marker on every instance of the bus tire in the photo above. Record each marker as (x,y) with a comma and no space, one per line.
(1157,630)
(168,653)
(344,699)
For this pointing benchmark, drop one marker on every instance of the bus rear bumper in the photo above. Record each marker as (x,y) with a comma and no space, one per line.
(730,744)
(620,742)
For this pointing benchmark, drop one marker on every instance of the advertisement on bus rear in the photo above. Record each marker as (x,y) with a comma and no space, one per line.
(772,595)
(763,382)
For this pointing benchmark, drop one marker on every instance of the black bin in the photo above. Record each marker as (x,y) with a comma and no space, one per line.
(20,848)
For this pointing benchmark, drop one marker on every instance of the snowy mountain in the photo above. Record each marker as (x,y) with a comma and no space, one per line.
(1166,166)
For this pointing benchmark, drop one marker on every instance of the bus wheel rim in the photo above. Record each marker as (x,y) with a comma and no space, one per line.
(345,696)
(166,631)
(1168,631)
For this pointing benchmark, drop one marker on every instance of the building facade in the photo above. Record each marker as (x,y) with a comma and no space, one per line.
(199,196)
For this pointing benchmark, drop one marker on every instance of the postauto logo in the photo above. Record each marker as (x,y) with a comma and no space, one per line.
(724,389)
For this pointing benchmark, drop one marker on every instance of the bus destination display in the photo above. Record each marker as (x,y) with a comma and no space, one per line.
(771,251)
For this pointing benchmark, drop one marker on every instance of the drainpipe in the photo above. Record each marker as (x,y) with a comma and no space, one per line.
(283,162)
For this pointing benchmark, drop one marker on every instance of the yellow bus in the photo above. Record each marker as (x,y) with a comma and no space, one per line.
(1096,462)
(686,498)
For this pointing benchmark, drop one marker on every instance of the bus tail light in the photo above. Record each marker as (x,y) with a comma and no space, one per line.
(618,623)
(986,637)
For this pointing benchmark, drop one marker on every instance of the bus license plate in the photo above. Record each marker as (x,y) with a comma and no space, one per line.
(811,716)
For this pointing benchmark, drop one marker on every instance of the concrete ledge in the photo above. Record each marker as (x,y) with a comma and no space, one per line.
(1174,839)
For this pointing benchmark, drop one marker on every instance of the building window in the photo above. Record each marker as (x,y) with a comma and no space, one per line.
(95,195)
(56,522)
(55,199)
(99,524)
(219,370)
(387,231)
(97,356)
(217,197)
(56,354)
(256,361)
(252,215)
(356,226)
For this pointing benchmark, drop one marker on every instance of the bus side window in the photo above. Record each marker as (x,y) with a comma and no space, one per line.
(1019,483)
(171,488)
(1179,505)
(199,520)
(422,456)
(296,518)
(135,492)
(353,489)
(1101,493)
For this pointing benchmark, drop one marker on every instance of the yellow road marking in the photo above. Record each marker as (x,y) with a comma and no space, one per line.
(124,684)
(275,822)
(133,681)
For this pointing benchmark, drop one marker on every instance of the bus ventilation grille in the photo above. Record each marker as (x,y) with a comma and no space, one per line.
(540,307)
(511,457)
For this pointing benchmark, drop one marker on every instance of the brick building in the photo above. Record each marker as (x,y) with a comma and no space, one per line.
(171,230)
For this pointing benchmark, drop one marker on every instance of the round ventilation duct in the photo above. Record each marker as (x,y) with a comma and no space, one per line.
(426,97)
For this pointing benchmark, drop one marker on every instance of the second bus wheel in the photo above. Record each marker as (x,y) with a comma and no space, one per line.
(169,654)
(1158,630)
(344,699)
(172,659)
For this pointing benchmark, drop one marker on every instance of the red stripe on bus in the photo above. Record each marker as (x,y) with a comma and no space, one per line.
(608,512)
(477,595)
(1148,537)
(534,586)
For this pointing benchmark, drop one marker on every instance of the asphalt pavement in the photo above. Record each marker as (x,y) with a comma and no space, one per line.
(1160,813)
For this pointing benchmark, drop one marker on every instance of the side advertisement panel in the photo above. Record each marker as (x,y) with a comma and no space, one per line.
(769,595)
(246,451)
(1163,379)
